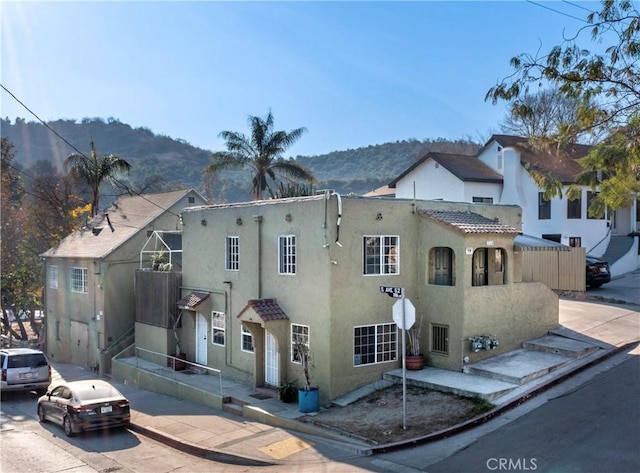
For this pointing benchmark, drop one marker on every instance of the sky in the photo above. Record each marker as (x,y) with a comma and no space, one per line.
(353,73)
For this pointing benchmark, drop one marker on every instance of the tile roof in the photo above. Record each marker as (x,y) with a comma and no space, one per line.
(128,216)
(464,167)
(192,300)
(468,222)
(267,309)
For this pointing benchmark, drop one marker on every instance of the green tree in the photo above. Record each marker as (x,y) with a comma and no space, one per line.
(606,87)
(262,153)
(94,171)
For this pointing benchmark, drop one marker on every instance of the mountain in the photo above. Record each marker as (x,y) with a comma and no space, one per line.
(170,163)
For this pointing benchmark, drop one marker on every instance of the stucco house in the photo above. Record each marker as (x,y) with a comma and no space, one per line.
(89,290)
(500,174)
(258,275)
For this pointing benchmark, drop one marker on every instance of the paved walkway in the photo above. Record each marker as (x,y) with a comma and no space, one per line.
(226,437)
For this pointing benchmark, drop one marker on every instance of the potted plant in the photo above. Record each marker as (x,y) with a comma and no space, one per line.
(158,259)
(288,391)
(308,396)
(414,356)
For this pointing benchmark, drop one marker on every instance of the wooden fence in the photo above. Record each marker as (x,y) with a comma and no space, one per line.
(562,269)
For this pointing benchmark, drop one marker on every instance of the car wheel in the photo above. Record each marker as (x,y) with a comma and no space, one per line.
(68,431)
(595,285)
(41,417)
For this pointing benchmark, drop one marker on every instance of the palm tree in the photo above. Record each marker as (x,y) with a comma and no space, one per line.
(94,171)
(262,153)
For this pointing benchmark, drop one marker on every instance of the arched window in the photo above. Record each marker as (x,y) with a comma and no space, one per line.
(442,266)
(488,267)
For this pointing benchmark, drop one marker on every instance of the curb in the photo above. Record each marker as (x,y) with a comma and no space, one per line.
(196,450)
(483,418)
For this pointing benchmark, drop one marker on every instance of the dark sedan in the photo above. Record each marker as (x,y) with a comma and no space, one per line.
(598,272)
(84,405)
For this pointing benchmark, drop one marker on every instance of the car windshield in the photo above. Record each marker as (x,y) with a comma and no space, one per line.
(90,392)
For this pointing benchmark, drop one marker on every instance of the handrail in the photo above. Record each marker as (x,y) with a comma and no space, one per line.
(128,333)
(175,358)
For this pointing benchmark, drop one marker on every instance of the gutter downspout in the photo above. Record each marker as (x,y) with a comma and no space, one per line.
(258,220)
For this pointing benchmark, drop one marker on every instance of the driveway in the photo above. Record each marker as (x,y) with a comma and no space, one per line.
(623,288)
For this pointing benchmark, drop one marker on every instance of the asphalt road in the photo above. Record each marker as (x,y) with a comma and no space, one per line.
(594,428)
(624,288)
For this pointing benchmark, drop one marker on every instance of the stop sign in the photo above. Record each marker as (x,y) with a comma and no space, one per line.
(409,314)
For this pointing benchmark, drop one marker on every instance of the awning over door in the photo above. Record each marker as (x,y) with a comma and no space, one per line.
(193,300)
(261,311)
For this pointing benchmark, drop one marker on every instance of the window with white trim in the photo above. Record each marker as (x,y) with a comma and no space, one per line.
(232,253)
(381,254)
(53,277)
(375,344)
(218,327)
(299,335)
(287,254)
(78,278)
(246,342)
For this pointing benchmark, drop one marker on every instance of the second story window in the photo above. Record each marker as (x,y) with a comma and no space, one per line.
(381,254)
(78,278)
(232,256)
(53,277)
(544,207)
(287,257)
(574,208)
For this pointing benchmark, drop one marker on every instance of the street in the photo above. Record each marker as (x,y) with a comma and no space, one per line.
(587,424)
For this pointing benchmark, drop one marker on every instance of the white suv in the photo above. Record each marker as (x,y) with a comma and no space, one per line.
(24,369)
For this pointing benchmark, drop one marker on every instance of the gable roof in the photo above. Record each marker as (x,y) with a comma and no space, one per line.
(266,309)
(126,217)
(464,167)
(561,162)
(468,222)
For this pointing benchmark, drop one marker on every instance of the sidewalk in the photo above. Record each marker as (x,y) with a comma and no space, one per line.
(273,438)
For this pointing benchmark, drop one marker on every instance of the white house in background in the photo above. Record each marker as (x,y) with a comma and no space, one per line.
(499,174)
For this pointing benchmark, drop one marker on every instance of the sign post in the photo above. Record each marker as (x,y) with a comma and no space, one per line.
(404,315)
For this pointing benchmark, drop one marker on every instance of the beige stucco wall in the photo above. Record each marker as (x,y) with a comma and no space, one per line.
(330,293)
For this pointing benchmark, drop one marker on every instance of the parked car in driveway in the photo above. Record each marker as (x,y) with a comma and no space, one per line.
(84,405)
(598,272)
(24,369)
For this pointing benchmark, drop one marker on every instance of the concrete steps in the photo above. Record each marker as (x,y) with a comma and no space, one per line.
(495,377)
(519,366)
(560,346)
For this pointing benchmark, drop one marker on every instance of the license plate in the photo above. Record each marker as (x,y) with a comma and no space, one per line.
(106,409)
(26,375)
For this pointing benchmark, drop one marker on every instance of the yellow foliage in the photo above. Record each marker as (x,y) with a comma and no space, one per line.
(78,211)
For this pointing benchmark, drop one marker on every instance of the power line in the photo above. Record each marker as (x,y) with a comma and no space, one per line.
(117,181)
(578,6)
(557,11)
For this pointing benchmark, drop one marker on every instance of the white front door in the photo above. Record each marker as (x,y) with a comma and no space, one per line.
(201,339)
(271,375)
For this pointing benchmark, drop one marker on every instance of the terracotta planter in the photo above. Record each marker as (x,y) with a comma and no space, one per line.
(415,362)
(178,364)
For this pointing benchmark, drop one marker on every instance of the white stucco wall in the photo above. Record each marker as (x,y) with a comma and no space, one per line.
(432,181)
